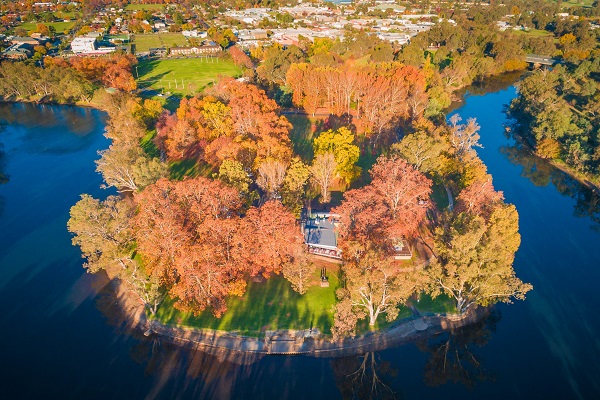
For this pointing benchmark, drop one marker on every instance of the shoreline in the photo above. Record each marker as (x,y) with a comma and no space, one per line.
(559,165)
(287,342)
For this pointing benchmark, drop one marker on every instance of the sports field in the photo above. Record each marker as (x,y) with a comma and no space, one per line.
(185,76)
(58,26)
(145,42)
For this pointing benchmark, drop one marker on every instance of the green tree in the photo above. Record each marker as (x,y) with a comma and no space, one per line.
(102,231)
(232,173)
(294,185)
(341,144)
(128,169)
(475,257)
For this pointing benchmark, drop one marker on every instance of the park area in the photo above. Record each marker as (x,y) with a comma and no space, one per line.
(267,305)
(272,305)
(59,27)
(184,76)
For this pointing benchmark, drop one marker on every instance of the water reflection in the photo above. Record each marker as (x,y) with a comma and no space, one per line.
(366,376)
(4,177)
(492,85)
(51,129)
(541,173)
(214,373)
(453,355)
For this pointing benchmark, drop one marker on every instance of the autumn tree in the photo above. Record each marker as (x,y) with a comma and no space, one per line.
(464,137)
(275,238)
(271,175)
(128,169)
(322,173)
(294,185)
(232,173)
(390,207)
(299,270)
(191,236)
(479,198)
(429,151)
(240,58)
(262,133)
(403,190)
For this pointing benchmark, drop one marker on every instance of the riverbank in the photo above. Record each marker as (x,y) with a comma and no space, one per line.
(561,165)
(308,342)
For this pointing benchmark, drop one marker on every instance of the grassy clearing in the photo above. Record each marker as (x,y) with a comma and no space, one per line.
(534,33)
(266,305)
(144,42)
(184,76)
(58,26)
(576,3)
(363,325)
(153,7)
(440,305)
(189,168)
(301,136)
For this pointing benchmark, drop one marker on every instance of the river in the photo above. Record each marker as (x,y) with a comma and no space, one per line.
(63,337)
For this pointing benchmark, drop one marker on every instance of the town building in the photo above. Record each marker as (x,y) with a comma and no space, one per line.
(83,45)
(197,50)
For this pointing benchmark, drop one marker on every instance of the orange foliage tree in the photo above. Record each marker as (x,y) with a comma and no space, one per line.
(393,205)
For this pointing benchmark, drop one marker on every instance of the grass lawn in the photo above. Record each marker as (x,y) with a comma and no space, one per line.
(266,305)
(440,305)
(135,7)
(58,26)
(143,42)
(534,32)
(301,136)
(363,325)
(184,76)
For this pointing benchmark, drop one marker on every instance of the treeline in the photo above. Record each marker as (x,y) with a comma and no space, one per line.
(558,114)
(379,95)
(66,81)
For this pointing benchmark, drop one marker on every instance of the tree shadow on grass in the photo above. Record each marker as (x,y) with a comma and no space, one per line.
(301,136)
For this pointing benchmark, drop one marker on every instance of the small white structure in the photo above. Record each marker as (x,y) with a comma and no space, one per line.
(83,45)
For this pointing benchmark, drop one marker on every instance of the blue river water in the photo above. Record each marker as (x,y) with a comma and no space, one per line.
(62,336)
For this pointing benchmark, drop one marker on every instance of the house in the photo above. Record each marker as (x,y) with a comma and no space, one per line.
(319,235)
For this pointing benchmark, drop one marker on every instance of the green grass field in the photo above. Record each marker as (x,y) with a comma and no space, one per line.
(152,7)
(59,26)
(440,305)
(184,76)
(144,43)
(266,305)
(534,33)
